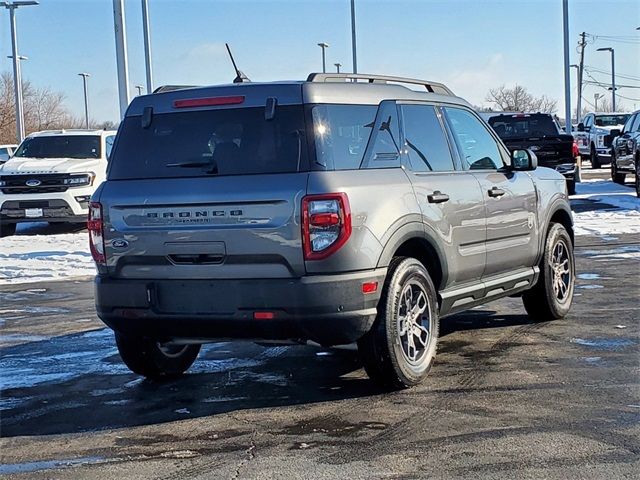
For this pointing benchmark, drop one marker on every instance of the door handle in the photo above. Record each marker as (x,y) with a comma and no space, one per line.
(437,197)
(496,192)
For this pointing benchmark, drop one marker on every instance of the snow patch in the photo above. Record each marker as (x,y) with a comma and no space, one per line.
(624,218)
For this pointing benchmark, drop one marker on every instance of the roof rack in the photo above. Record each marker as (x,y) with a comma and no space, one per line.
(433,87)
(171,88)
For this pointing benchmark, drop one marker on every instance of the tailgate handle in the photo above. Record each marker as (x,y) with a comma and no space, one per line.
(196,259)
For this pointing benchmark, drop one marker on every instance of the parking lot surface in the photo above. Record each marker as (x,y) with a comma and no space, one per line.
(506,398)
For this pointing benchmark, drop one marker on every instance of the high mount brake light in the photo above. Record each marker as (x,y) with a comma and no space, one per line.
(326,224)
(208,102)
(96,230)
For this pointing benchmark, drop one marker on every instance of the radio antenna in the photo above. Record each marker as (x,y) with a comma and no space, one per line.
(240,77)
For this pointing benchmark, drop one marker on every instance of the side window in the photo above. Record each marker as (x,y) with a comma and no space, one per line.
(588,120)
(478,149)
(108,142)
(425,142)
(383,150)
(636,124)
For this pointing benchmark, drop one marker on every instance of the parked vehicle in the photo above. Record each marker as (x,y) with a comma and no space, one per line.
(6,151)
(540,133)
(594,136)
(345,208)
(52,176)
(626,151)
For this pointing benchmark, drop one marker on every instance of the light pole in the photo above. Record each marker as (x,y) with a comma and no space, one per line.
(338,65)
(596,97)
(353,36)
(17,75)
(147,45)
(613,75)
(567,81)
(323,45)
(86,99)
(121,55)
(577,67)
(139,88)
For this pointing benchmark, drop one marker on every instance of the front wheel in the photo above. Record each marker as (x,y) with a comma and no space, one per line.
(400,348)
(637,178)
(595,161)
(551,297)
(153,359)
(616,176)
(7,229)
(571,187)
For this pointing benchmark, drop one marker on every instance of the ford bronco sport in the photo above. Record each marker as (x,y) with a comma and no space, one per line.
(345,208)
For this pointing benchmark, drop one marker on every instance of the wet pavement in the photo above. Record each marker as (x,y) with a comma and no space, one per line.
(506,398)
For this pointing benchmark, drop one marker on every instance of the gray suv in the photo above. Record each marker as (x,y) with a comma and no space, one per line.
(344,208)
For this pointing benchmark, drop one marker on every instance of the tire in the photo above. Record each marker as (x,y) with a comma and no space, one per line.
(7,229)
(595,161)
(616,176)
(549,300)
(151,359)
(399,354)
(637,182)
(571,187)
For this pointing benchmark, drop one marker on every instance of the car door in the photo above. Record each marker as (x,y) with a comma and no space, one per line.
(509,197)
(450,199)
(583,137)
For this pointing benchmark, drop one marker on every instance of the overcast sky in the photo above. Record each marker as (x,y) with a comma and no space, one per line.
(471,45)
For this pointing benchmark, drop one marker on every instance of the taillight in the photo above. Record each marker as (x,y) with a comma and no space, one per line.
(326,224)
(574,150)
(96,237)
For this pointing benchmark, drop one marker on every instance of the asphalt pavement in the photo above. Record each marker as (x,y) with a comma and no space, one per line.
(506,398)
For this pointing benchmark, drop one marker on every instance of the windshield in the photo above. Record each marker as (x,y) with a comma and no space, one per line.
(60,146)
(523,126)
(232,141)
(611,120)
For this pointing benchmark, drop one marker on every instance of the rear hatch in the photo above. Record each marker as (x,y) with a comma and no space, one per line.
(537,132)
(208,186)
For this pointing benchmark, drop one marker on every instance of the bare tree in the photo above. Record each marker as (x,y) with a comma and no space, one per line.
(604,105)
(518,99)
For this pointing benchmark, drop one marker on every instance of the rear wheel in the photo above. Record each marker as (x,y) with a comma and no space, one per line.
(595,161)
(616,176)
(400,348)
(551,297)
(571,187)
(7,229)
(153,359)
(637,177)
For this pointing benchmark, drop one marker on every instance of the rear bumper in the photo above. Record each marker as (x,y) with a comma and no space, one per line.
(328,309)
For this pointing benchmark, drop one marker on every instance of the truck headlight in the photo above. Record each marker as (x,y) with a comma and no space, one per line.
(600,141)
(80,180)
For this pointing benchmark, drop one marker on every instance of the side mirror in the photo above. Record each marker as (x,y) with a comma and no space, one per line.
(581,127)
(523,160)
(615,132)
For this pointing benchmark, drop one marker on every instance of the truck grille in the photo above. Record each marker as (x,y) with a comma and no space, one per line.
(49,183)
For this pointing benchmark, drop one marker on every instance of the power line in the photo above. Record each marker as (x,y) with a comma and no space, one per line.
(621,75)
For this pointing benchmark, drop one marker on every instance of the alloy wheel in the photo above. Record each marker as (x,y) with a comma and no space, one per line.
(414,322)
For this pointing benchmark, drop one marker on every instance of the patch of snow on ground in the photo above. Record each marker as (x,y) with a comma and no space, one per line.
(26,257)
(625,218)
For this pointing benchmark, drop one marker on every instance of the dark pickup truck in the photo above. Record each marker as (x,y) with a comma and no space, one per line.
(540,133)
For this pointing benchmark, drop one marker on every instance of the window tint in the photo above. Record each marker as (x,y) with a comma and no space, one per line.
(636,124)
(523,125)
(425,141)
(60,146)
(230,141)
(108,142)
(383,150)
(611,120)
(478,149)
(587,121)
(341,133)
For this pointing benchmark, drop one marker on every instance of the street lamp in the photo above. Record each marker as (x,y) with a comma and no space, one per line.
(323,45)
(577,67)
(147,45)
(17,75)
(86,99)
(596,97)
(613,75)
(338,65)
(139,88)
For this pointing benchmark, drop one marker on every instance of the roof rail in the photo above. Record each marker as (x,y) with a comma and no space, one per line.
(433,87)
(171,88)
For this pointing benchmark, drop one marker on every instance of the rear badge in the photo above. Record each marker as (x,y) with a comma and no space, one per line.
(119,243)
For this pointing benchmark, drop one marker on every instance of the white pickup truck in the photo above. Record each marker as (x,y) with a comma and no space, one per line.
(594,136)
(52,176)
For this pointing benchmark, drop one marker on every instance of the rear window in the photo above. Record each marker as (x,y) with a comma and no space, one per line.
(237,141)
(60,146)
(518,126)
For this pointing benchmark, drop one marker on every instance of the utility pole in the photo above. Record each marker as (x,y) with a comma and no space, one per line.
(338,65)
(147,44)
(582,44)
(17,73)
(323,45)
(86,99)
(353,36)
(567,81)
(121,55)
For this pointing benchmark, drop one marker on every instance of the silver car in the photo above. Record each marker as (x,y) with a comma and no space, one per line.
(344,208)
